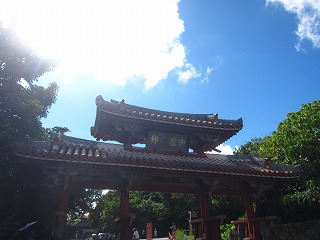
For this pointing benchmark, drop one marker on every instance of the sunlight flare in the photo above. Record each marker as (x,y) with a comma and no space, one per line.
(114,41)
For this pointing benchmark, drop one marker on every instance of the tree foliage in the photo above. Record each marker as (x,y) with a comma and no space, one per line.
(81,202)
(296,141)
(161,209)
(106,210)
(251,147)
(232,207)
(22,105)
(22,102)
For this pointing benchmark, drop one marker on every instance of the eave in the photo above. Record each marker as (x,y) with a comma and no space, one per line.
(130,124)
(90,163)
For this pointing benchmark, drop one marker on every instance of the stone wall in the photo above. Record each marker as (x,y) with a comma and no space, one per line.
(296,231)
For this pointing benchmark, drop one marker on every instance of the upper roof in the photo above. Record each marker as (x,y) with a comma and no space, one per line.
(80,158)
(131,124)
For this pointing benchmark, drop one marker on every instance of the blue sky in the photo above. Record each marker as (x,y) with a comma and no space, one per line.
(254,59)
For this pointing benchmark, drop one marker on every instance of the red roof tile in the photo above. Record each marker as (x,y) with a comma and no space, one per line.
(71,150)
(151,114)
(131,124)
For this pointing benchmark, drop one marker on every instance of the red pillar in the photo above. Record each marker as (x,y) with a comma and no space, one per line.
(209,229)
(124,202)
(61,215)
(204,201)
(124,227)
(252,228)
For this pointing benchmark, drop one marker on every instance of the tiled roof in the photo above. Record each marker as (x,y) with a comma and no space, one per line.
(198,120)
(129,124)
(68,150)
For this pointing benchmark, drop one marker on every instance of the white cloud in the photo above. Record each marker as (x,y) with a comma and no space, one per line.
(188,72)
(115,41)
(217,63)
(209,70)
(308,16)
(225,150)
(205,79)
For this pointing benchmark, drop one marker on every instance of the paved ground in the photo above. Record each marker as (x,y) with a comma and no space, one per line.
(157,238)
(165,238)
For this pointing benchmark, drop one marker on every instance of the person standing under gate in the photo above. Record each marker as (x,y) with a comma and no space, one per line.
(173,229)
(234,235)
(135,234)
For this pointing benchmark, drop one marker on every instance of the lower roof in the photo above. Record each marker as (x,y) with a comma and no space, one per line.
(107,164)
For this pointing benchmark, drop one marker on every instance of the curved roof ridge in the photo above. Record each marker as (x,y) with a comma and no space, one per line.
(212,117)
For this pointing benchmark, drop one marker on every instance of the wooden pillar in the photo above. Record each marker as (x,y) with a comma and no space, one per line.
(252,228)
(124,202)
(207,230)
(124,227)
(197,230)
(210,227)
(61,215)
(204,201)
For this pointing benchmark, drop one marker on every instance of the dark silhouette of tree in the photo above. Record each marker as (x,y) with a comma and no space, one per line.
(22,106)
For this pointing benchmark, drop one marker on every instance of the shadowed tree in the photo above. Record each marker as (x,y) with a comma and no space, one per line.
(22,105)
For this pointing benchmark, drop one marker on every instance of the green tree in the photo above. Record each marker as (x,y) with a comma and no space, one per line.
(296,141)
(82,201)
(179,206)
(150,207)
(251,147)
(232,207)
(107,209)
(46,133)
(22,105)
(161,209)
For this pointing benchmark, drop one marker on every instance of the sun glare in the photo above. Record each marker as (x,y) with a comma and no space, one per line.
(63,30)
(112,40)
